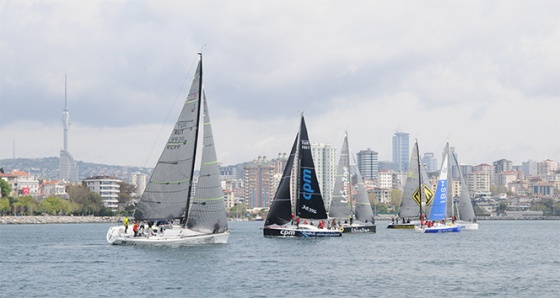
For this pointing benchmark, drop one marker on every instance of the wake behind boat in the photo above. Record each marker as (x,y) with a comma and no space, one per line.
(190,215)
(309,205)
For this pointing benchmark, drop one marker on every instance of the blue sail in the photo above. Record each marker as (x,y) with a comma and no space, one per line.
(439,207)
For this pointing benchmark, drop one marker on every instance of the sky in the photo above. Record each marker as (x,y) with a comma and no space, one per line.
(483,75)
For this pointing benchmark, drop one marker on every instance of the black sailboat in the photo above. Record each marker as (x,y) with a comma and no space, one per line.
(310,217)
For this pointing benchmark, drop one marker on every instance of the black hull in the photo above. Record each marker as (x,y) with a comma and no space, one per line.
(299,233)
(360,229)
(407,226)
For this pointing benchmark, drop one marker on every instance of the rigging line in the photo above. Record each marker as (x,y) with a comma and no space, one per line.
(187,76)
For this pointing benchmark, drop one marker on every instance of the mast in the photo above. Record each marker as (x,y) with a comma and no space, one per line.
(420,185)
(199,99)
(298,167)
(450,205)
(349,181)
(65,118)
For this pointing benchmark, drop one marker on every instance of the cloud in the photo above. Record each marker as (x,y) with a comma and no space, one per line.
(482,74)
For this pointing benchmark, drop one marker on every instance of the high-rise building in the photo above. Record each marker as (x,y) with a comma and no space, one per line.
(258,183)
(401,151)
(139,180)
(368,165)
(68,169)
(325,160)
(430,161)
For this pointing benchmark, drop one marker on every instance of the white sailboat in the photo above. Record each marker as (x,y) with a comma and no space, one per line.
(463,208)
(344,206)
(190,215)
(417,194)
(437,222)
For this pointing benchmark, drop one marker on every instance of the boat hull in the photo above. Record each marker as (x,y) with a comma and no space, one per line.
(359,229)
(407,226)
(172,237)
(465,225)
(293,232)
(438,229)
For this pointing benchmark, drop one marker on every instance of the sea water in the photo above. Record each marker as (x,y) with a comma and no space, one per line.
(501,259)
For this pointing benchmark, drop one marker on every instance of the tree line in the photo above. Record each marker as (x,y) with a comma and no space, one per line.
(81,202)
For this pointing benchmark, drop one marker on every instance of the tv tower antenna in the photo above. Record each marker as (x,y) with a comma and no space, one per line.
(65,118)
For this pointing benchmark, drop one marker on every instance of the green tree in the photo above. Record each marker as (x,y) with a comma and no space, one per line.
(5,188)
(238,210)
(85,202)
(55,205)
(5,206)
(126,192)
(26,205)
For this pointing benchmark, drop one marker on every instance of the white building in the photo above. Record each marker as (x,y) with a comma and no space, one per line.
(107,187)
(22,183)
(325,160)
(139,180)
(54,188)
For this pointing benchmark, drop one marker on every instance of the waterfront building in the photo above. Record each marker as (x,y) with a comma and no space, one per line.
(107,187)
(258,182)
(368,165)
(53,188)
(325,160)
(478,183)
(22,183)
(401,150)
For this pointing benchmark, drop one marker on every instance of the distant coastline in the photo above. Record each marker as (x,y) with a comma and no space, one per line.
(49,219)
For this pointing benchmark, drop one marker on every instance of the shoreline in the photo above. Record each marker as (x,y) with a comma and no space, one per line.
(52,219)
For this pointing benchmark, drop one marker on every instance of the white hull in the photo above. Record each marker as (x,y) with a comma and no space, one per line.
(466,225)
(438,228)
(176,236)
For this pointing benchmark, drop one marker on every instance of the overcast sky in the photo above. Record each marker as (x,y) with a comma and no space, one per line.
(484,75)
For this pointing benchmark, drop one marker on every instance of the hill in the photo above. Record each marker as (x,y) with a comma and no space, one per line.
(47,168)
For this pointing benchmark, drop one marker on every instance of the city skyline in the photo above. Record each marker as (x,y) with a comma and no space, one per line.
(477,74)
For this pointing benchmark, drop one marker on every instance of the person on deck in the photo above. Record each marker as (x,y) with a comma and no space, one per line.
(216,227)
(135,228)
(297,222)
(125,222)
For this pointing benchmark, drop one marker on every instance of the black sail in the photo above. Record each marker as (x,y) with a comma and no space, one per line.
(281,208)
(309,199)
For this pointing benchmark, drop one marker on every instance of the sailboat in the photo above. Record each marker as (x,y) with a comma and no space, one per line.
(182,213)
(437,219)
(463,208)
(417,194)
(309,205)
(343,208)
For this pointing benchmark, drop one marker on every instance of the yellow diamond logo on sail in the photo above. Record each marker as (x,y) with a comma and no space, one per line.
(427,192)
(416,196)
(429,195)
